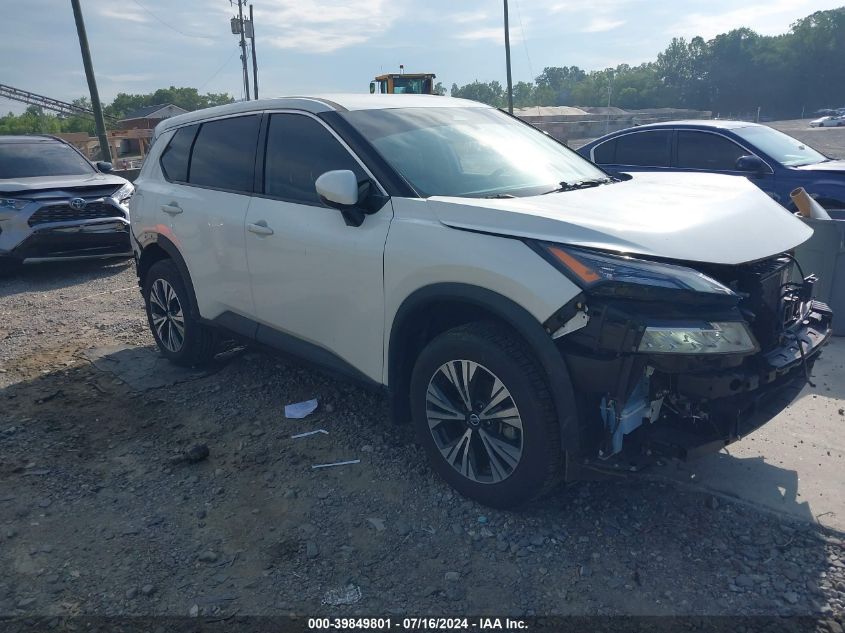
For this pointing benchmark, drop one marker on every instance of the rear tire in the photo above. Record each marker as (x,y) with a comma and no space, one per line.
(181,338)
(495,437)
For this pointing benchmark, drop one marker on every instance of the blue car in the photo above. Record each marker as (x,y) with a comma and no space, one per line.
(774,161)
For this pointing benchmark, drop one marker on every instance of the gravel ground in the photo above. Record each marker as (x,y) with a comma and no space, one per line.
(98,518)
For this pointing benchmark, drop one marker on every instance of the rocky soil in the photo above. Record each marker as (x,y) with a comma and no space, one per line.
(101,514)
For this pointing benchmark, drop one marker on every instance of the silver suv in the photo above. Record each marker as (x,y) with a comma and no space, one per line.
(55,204)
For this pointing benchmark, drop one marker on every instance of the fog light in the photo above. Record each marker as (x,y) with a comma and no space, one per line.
(715,338)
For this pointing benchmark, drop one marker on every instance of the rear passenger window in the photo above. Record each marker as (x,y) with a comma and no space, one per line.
(224,154)
(702,150)
(300,150)
(644,149)
(605,154)
(174,158)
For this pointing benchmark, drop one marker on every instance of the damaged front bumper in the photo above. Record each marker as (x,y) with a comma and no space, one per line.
(638,406)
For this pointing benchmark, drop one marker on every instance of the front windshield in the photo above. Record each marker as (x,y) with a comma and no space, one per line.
(40,158)
(786,150)
(470,152)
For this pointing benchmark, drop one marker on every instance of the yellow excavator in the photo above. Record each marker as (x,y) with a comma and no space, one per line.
(404,83)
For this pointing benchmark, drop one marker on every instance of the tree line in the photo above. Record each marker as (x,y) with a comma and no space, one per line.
(802,70)
(35,120)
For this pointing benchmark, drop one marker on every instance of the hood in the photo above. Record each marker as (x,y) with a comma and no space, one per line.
(41,183)
(828,165)
(695,217)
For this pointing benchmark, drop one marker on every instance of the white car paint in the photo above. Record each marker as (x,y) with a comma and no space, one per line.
(829,121)
(340,287)
(684,216)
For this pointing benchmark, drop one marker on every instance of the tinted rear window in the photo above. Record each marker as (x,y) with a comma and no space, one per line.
(174,159)
(703,150)
(27,160)
(645,149)
(224,154)
(605,154)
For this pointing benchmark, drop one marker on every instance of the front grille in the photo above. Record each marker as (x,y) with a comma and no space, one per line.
(64,213)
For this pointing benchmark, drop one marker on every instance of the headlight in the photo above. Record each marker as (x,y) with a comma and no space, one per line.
(122,195)
(12,204)
(627,276)
(710,338)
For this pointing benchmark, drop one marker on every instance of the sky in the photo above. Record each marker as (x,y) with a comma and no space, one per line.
(318,46)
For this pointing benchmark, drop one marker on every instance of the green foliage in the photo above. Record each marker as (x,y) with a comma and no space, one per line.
(733,73)
(34,121)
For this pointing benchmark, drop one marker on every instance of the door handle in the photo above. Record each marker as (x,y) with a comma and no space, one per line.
(171,209)
(259,228)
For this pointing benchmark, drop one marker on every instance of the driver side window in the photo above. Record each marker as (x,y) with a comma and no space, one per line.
(300,150)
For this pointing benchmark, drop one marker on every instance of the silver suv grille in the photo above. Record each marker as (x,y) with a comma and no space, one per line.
(64,213)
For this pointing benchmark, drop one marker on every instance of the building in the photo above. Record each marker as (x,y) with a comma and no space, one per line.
(148,117)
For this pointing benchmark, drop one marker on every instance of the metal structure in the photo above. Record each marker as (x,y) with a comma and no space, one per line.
(47,103)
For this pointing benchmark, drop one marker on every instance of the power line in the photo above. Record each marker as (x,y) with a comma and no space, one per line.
(524,42)
(218,71)
(170,26)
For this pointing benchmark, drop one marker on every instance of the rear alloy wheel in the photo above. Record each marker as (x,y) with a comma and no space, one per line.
(167,316)
(483,411)
(182,339)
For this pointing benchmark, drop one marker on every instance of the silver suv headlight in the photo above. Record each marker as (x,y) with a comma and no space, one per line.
(12,204)
(710,338)
(124,194)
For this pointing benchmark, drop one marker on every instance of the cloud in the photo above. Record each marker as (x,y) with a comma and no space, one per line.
(767,18)
(324,26)
(488,34)
(600,25)
(127,14)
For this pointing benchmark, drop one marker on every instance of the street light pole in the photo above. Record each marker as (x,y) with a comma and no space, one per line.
(96,106)
(508,59)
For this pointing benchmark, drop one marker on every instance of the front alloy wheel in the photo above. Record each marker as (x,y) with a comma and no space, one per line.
(482,409)
(474,421)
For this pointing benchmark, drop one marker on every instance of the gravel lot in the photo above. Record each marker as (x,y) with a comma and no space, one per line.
(98,516)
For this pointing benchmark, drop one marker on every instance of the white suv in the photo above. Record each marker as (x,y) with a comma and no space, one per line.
(532,315)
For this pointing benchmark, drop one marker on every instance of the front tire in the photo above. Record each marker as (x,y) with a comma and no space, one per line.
(181,338)
(484,414)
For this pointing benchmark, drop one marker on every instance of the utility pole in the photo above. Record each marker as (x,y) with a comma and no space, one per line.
(96,106)
(508,59)
(243,47)
(252,46)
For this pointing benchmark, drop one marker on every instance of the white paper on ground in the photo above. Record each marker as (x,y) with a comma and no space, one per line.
(299,410)
(346,463)
(298,435)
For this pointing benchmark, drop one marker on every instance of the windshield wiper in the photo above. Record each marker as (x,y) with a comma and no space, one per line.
(581,184)
(501,195)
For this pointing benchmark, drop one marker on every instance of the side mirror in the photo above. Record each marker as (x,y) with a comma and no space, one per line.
(338,188)
(750,164)
(104,166)
(341,190)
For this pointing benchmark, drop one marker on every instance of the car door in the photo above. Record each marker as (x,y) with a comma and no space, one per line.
(699,150)
(646,150)
(318,283)
(205,203)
